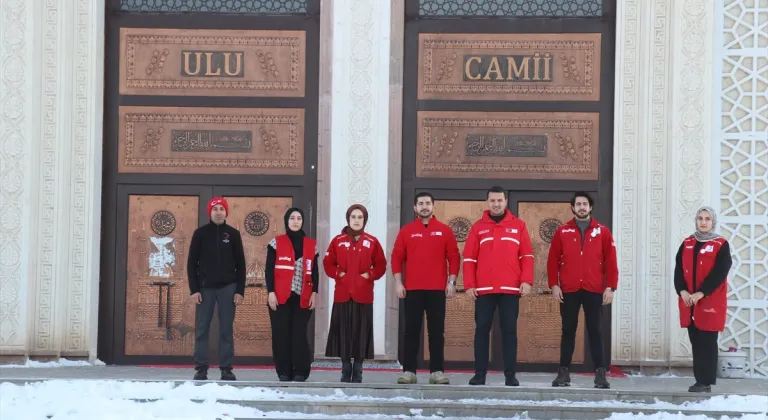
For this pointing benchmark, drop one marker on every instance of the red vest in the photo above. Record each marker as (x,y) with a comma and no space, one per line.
(710,313)
(285,267)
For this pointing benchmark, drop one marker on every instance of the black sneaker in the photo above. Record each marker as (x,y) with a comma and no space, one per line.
(563,377)
(201,374)
(510,380)
(227,375)
(478,379)
(697,387)
(600,381)
(299,378)
(284,378)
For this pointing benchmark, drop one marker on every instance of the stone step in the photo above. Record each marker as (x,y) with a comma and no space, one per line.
(457,410)
(426,392)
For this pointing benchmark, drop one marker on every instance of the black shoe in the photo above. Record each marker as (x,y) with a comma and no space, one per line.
(697,387)
(299,378)
(284,378)
(357,372)
(201,374)
(563,377)
(346,372)
(478,379)
(600,381)
(227,375)
(510,380)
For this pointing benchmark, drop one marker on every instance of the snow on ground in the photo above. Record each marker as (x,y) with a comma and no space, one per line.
(109,399)
(59,363)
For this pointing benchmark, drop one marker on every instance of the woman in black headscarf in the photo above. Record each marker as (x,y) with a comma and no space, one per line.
(701,281)
(291,275)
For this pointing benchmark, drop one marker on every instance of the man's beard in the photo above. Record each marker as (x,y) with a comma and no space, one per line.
(423,216)
(578,216)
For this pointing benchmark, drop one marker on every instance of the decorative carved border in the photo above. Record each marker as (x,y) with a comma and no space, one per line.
(587,166)
(589,90)
(295,40)
(131,118)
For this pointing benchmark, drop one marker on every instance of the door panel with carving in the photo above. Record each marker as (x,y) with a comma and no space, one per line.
(259,220)
(539,325)
(460,311)
(160,320)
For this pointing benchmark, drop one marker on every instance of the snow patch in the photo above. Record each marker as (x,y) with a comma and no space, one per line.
(56,363)
(90,399)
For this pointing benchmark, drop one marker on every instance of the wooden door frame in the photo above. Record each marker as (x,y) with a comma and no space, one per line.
(111,237)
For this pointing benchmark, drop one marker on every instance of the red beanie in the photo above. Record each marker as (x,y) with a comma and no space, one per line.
(218,200)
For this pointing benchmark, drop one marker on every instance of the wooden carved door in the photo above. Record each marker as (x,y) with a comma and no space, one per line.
(258,214)
(539,324)
(159,318)
(460,311)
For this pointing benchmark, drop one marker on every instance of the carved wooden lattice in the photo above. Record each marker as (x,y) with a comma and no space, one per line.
(517,8)
(216,6)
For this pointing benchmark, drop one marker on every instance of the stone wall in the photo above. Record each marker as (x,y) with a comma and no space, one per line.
(661,160)
(740,170)
(360,87)
(51,95)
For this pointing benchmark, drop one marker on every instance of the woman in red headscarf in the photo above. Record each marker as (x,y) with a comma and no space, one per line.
(355,259)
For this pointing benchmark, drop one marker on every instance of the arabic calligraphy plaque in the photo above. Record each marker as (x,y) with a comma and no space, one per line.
(267,141)
(512,145)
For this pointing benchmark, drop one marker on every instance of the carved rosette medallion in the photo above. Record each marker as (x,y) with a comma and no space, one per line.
(547,229)
(163,223)
(256,223)
(460,227)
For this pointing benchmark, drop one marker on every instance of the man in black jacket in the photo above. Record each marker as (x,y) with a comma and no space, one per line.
(216,272)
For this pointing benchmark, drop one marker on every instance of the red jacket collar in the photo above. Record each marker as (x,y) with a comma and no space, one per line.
(432,221)
(592,223)
(508,217)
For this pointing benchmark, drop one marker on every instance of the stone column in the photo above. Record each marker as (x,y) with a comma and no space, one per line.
(365,164)
(661,158)
(51,96)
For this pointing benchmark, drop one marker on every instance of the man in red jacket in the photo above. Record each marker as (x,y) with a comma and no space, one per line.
(424,246)
(498,270)
(582,271)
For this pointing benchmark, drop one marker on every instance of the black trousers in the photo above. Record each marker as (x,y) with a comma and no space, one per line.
(485,307)
(290,347)
(224,299)
(569,313)
(705,352)
(417,302)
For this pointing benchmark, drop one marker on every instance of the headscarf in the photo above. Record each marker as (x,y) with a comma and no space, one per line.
(352,208)
(706,236)
(297,237)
